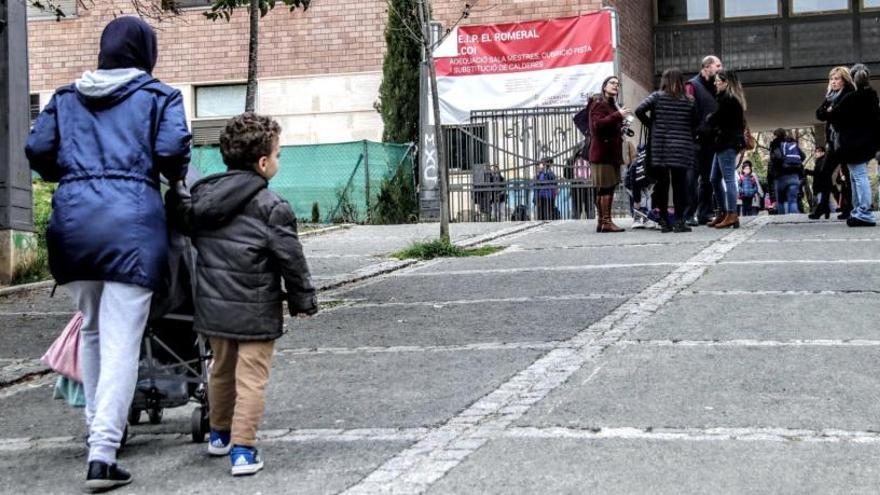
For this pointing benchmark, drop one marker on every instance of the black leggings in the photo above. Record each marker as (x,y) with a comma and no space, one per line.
(678,177)
(605,191)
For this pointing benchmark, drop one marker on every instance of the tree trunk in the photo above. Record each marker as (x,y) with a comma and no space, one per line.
(250,101)
(438,128)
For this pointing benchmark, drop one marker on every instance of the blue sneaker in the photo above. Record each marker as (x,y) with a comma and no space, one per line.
(220,443)
(245,460)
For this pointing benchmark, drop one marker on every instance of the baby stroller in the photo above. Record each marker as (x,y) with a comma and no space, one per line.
(173,368)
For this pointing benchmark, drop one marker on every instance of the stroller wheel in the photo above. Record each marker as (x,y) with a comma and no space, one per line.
(155,416)
(199,424)
(134,416)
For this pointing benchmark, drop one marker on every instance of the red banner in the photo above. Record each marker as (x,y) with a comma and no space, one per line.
(526,46)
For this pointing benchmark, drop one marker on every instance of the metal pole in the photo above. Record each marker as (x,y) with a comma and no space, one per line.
(366,156)
(438,127)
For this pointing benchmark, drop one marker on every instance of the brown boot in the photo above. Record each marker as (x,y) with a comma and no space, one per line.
(718,218)
(731,220)
(606,224)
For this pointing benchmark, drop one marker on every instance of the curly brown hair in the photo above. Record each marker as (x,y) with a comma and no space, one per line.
(246,138)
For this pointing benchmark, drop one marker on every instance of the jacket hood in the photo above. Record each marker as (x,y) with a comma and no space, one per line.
(216,199)
(128,42)
(108,87)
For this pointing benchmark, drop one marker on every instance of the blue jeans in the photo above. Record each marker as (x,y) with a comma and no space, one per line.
(723,179)
(861,192)
(787,187)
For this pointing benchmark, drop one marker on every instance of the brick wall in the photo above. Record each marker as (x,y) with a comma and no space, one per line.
(331,37)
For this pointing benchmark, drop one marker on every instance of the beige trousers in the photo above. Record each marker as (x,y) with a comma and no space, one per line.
(237,387)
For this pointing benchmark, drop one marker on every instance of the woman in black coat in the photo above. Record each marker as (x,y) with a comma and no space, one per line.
(671,115)
(840,84)
(727,126)
(856,119)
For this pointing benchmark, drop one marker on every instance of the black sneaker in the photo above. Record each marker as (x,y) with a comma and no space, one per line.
(664,226)
(103,477)
(691,222)
(855,222)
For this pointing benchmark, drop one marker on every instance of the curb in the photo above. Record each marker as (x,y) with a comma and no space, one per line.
(15,289)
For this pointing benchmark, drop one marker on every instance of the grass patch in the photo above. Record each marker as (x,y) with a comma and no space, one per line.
(38,269)
(441,249)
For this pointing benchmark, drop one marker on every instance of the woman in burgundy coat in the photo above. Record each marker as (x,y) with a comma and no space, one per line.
(606,149)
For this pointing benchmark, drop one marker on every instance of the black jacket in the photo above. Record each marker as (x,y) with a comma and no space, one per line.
(727,124)
(246,240)
(673,122)
(856,118)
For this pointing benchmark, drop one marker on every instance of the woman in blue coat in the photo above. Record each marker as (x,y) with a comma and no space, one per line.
(105,139)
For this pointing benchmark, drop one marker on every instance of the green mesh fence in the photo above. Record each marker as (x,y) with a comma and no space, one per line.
(339,177)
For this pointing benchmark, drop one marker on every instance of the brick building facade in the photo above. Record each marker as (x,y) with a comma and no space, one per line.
(319,70)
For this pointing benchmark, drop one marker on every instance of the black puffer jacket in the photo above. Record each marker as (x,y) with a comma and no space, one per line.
(856,118)
(246,240)
(673,122)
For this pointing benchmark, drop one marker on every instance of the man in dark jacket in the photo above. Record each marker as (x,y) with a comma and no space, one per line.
(105,139)
(247,243)
(702,89)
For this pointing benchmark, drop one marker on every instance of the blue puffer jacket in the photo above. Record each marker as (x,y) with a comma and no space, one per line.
(105,139)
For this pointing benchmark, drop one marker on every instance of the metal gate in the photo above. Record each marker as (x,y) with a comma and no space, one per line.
(494,161)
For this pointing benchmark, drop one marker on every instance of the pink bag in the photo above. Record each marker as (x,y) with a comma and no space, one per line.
(63,354)
(582,169)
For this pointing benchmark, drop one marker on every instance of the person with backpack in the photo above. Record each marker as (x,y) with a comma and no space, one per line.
(671,115)
(606,121)
(749,188)
(856,119)
(105,139)
(786,171)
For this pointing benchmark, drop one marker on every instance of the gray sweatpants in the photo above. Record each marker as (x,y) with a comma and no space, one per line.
(115,316)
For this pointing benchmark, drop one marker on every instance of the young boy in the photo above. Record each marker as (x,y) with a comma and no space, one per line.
(247,242)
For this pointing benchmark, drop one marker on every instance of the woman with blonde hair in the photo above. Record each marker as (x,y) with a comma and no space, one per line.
(856,121)
(727,126)
(840,84)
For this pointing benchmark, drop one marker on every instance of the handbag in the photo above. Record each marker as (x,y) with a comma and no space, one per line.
(63,355)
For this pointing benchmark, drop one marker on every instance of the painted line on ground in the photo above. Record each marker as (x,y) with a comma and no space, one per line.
(754,343)
(415,469)
(528,269)
(482,346)
(813,240)
(780,292)
(266,436)
(698,434)
(361,303)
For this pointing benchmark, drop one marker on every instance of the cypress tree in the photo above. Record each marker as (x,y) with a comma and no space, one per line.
(399,93)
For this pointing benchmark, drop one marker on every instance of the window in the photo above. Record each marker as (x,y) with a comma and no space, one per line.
(465,146)
(68,7)
(186,4)
(750,8)
(35,107)
(220,101)
(871,4)
(679,11)
(815,6)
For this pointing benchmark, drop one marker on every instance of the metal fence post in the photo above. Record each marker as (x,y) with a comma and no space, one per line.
(367,179)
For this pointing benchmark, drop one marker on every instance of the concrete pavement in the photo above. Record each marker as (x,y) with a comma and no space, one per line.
(739,361)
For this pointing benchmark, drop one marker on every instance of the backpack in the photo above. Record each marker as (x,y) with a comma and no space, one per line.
(791,156)
(582,122)
(520,214)
(748,186)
